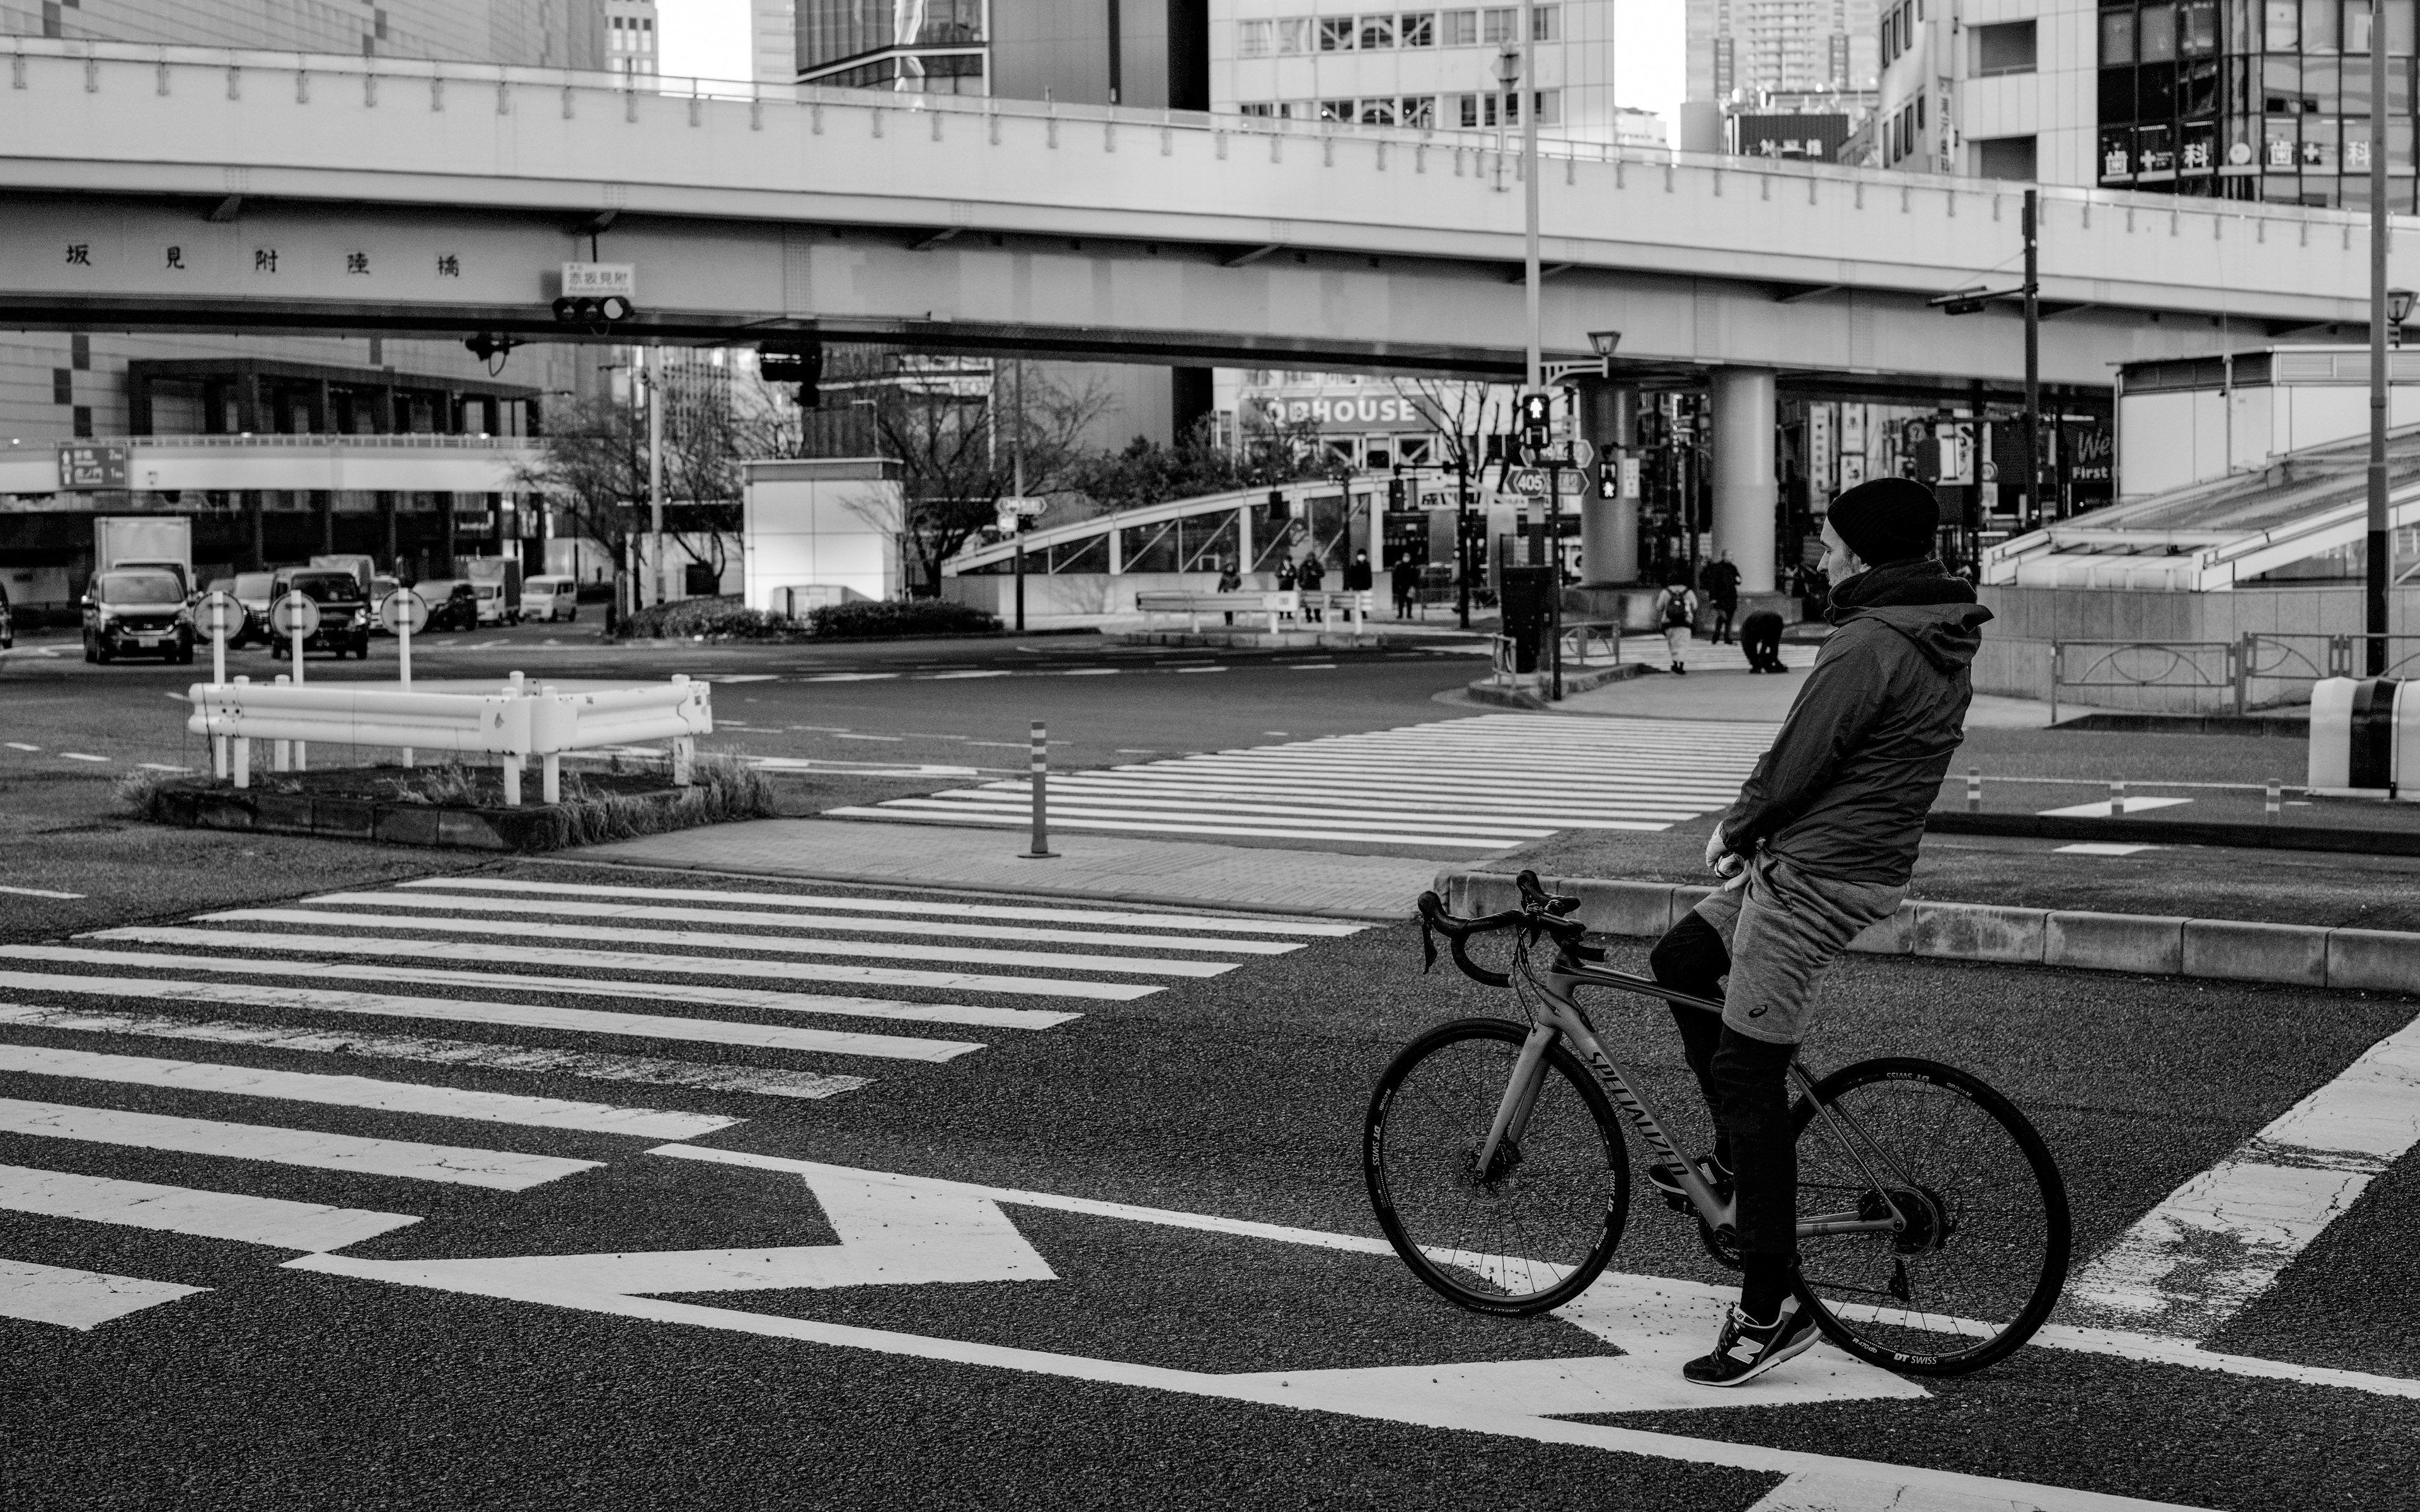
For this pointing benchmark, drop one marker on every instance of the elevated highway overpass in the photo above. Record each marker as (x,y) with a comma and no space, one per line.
(194,189)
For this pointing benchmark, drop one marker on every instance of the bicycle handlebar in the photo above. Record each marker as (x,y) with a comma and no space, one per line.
(1540,914)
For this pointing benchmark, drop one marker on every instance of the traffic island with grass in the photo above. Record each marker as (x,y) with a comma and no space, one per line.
(454,806)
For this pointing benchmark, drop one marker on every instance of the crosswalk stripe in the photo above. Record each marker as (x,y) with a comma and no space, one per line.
(274,1222)
(80,1300)
(702,965)
(360,1092)
(520,1016)
(1087,799)
(406,1159)
(673,914)
(952,907)
(762,944)
(591,1065)
(898,808)
(1349,796)
(661,992)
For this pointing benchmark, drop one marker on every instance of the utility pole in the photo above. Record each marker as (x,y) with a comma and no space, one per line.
(1528,85)
(1461,529)
(2033,365)
(1016,454)
(2380,565)
(655,466)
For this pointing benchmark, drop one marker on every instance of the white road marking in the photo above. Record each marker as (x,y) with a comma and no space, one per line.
(656,991)
(1090,672)
(405,1159)
(1201,669)
(308,1227)
(666,913)
(2097,847)
(2222,1238)
(886,739)
(360,1092)
(847,677)
(951,907)
(484,1054)
(519,1015)
(698,965)
(898,808)
(943,677)
(81,1300)
(157,767)
(40,893)
(1442,1398)
(18,745)
(80,756)
(2101,809)
(1079,796)
(762,944)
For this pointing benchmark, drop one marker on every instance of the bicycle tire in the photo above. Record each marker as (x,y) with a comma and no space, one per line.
(1589,1173)
(2035,1234)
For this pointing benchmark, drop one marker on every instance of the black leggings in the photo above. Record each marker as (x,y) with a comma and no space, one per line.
(1747,1087)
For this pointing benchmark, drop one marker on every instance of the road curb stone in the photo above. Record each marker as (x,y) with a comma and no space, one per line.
(2306,955)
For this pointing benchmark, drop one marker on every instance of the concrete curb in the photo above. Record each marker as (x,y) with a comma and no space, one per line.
(2302,955)
(1487,690)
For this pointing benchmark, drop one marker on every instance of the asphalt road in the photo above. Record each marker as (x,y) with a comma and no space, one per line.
(1205,1103)
(936,1203)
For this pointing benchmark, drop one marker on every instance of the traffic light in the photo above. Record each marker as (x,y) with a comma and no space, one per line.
(594,309)
(1395,492)
(1536,416)
(801,366)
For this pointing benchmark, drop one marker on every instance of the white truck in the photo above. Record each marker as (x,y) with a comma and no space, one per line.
(364,569)
(145,541)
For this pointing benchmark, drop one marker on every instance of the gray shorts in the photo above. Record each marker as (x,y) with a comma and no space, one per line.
(1785,930)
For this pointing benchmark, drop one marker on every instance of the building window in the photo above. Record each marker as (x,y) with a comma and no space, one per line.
(62,385)
(1462,28)
(1377,113)
(84,420)
(1548,22)
(1550,107)
(1420,111)
(1377,32)
(2281,20)
(1257,107)
(1252,39)
(1336,34)
(1294,34)
(1499,26)
(2006,157)
(1336,110)
(1417,31)
(80,352)
(2007,48)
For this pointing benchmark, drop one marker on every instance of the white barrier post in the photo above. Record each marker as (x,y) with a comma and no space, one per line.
(244,749)
(282,759)
(515,686)
(302,750)
(551,765)
(403,648)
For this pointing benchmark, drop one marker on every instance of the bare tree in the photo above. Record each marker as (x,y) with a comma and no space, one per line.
(591,469)
(1463,413)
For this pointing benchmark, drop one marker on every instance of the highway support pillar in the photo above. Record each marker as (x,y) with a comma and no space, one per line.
(1609,517)
(1746,496)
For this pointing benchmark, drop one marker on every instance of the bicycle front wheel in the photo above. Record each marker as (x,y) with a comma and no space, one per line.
(1983,1252)
(1533,1230)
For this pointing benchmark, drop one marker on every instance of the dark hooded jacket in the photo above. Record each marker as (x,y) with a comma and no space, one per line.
(1844,789)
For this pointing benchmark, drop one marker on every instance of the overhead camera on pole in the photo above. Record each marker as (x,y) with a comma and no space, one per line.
(802,365)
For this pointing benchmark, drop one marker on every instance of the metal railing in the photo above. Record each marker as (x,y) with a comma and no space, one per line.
(2260,669)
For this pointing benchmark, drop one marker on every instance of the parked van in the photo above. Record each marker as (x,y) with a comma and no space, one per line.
(550,599)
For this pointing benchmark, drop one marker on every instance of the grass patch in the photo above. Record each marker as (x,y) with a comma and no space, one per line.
(137,795)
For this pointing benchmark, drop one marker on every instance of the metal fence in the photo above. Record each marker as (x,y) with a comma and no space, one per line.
(2260,670)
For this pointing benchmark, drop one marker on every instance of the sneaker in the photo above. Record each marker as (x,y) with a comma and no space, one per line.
(1667,1181)
(1680,670)
(1747,1349)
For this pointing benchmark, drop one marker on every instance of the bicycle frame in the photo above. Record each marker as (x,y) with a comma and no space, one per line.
(1563,1018)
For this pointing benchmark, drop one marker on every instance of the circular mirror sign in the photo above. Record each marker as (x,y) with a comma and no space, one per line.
(218,615)
(294,614)
(403,612)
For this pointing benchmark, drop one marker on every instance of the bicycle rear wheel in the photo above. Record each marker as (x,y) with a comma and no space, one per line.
(1984,1253)
(1527,1235)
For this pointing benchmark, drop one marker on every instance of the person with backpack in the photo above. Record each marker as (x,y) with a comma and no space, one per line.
(1819,846)
(1230,581)
(1676,611)
(1406,583)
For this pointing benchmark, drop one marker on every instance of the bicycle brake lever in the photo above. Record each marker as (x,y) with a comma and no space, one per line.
(1428,947)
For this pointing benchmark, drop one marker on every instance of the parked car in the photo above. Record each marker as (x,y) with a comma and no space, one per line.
(250,589)
(492,604)
(381,586)
(344,611)
(550,599)
(453,604)
(137,611)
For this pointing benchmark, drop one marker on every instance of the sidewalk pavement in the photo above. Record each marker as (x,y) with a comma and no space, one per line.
(1164,873)
(1763,696)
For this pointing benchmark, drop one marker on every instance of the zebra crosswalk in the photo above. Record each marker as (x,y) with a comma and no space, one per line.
(1457,785)
(282,1077)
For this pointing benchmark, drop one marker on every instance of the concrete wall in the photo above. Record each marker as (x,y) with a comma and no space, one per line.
(829,525)
(1077,593)
(2168,440)
(2015,661)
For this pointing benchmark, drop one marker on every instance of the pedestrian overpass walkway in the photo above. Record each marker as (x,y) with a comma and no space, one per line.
(208,188)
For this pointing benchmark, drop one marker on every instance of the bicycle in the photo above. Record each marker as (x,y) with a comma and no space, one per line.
(1933,1229)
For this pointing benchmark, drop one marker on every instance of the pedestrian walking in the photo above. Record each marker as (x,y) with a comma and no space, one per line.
(1312,573)
(1286,581)
(1406,583)
(1721,581)
(1760,636)
(1676,611)
(1358,576)
(1819,846)
(1230,581)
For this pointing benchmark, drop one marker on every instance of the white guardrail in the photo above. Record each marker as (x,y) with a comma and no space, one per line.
(517,722)
(1290,602)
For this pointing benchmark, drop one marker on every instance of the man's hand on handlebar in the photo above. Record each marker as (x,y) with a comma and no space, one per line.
(1727,862)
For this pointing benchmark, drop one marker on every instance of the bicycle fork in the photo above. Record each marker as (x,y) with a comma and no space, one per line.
(1519,1101)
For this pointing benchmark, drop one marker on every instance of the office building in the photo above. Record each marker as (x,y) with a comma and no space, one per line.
(630,37)
(773,41)
(1740,50)
(1148,53)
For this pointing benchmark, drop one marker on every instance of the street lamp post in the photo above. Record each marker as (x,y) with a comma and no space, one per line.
(1516,67)
(2380,568)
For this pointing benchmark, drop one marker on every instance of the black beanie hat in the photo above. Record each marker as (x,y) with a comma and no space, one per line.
(1887,520)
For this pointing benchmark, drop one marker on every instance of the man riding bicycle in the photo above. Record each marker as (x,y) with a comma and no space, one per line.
(1819,845)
